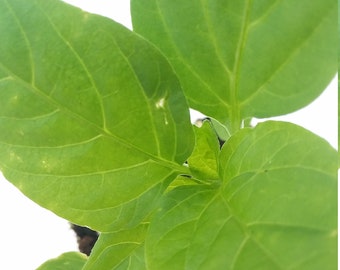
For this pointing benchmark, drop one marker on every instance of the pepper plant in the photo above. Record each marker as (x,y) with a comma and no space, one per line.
(95,127)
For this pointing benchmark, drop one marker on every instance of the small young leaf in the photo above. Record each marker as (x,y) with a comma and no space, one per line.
(239,59)
(276,209)
(66,261)
(221,130)
(93,121)
(203,160)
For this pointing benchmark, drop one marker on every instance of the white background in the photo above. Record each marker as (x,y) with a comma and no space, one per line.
(31,235)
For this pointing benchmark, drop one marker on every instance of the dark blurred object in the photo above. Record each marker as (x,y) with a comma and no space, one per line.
(86,238)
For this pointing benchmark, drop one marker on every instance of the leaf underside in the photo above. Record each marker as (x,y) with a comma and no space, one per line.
(95,127)
(240,59)
(275,208)
(94,123)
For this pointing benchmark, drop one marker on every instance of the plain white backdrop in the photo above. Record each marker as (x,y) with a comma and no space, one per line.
(31,235)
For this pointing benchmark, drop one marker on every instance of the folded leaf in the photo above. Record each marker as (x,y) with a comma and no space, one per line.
(239,59)
(276,208)
(93,121)
(203,160)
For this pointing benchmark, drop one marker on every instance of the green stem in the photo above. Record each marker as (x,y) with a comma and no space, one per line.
(235,113)
(236,120)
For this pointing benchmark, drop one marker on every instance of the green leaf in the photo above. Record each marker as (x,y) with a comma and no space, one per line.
(183,180)
(94,124)
(338,84)
(240,59)
(119,250)
(203,160)
(220,129)
(276,208)
(66,261)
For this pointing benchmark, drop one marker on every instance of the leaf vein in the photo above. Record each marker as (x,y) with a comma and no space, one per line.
(21,27)
(287,60)
(265,14)
(82,64)
(143,93)
(213,38)
(189,67)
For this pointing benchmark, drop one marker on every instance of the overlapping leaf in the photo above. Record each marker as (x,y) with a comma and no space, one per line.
(119,250)
(94,126)
(203,160)
(66,261)
(239,59)
(93,121)
(275,208)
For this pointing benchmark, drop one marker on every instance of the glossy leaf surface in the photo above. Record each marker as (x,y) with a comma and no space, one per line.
(275,208)
(239,59)
(66,261)
(93,121)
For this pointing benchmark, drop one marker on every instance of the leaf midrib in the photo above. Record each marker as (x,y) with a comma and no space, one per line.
(235,110)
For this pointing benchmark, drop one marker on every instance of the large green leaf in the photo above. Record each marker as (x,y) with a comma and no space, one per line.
(66,261)
(93,121)
(239,59)
(276,208)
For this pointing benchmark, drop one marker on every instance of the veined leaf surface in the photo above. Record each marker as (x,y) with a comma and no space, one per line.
(239,59)
(203,160)
(276,208)
(93,121)
(119,250)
